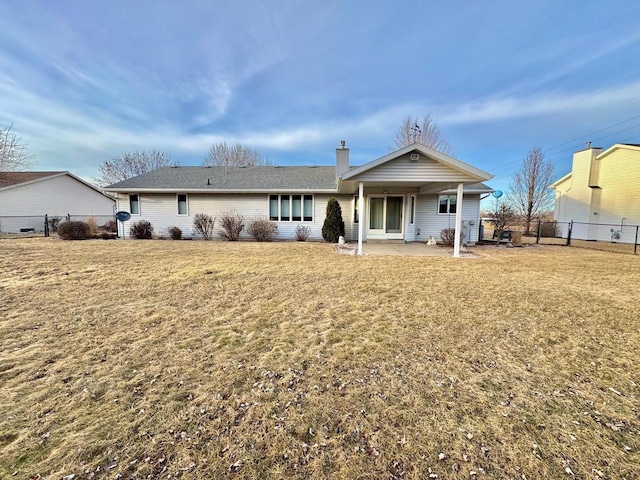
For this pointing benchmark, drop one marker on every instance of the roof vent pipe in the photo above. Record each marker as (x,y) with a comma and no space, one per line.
(588,144)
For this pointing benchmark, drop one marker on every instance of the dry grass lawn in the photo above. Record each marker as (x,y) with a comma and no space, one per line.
(161,359)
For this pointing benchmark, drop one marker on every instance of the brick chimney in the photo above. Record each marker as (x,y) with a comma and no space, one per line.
(342,159)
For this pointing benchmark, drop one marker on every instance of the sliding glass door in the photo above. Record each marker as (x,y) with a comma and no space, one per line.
(385,216)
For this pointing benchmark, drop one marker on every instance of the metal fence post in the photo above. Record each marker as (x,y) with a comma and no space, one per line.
(46,225)
(569,234)
(635,244)
(538,231)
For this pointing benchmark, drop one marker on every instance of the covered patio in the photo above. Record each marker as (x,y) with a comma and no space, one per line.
(412,194)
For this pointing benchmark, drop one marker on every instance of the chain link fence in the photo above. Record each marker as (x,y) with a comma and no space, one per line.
(44,225)
(620,237)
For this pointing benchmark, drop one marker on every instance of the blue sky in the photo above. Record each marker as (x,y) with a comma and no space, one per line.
(83,81)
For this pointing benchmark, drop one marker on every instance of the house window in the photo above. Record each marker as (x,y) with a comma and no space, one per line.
(308,208)
(273,207)
(182,204)
(447,204)
(134,204)
(356,214)
(285,211)
(412,211)
(296,208)
(286,208)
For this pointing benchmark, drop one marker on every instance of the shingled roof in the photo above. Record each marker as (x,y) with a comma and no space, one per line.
(231,179)
(8,179)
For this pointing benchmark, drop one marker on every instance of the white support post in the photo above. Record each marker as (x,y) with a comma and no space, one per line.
(456,241)
(360,215)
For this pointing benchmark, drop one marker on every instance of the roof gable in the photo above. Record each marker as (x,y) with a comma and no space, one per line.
(618,146)
(10,179)
(17,179)
(429,162)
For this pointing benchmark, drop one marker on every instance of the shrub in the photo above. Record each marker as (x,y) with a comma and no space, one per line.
(73,230)
(142,230)
(176,233)
(302,233)
(333,227)
(93,226)
(107,236)
(111,226)
(262,229)
(53,223)
(549,229)
(204,224)
(448,235)
(231,223)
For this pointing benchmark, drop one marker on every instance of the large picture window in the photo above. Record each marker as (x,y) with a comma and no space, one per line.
(447,204)
(134,204)
(291,208)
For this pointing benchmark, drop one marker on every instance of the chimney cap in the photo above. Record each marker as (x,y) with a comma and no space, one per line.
(588,144)
(342,144)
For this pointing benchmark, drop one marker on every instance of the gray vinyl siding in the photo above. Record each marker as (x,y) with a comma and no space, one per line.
(403,169)
(162,211)
(430,223)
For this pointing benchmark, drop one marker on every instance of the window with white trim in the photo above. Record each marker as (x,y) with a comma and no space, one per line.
(134,204)
(447,203)
(412,211)
(356,213)
(291,208)
(183,208)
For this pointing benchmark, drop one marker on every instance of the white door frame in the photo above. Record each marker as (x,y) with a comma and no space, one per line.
(382,233)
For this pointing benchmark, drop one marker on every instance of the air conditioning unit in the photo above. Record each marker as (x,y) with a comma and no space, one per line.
(414,157)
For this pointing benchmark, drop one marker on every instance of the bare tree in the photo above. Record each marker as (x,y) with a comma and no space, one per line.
(529,188)
(14,155)
(504,217)
(238,155)
(131,164)
(424,131)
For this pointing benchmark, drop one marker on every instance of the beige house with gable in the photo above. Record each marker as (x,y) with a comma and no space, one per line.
(407,195)
(602,188)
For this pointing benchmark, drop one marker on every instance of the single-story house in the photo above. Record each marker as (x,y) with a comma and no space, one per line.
(408,195)
(26,197)
(601,194)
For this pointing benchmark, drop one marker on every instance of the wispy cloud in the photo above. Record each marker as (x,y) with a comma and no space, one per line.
(512,107)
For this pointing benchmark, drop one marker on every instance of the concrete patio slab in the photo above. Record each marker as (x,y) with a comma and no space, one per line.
(414,249)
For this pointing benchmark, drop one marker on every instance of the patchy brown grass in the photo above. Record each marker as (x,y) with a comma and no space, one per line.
(158,359)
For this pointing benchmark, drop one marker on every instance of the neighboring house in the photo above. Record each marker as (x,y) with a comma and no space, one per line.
(603,188)
(409,195)
(25,198)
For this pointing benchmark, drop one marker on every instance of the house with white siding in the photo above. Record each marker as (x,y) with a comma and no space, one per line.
(26,197)
(407,195)
(601,194)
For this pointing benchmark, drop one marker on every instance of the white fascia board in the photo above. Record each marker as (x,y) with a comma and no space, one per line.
(35,180)
(429,152)
(558,182)
(615,147)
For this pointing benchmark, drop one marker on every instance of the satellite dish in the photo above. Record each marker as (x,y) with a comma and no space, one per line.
(497,194)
